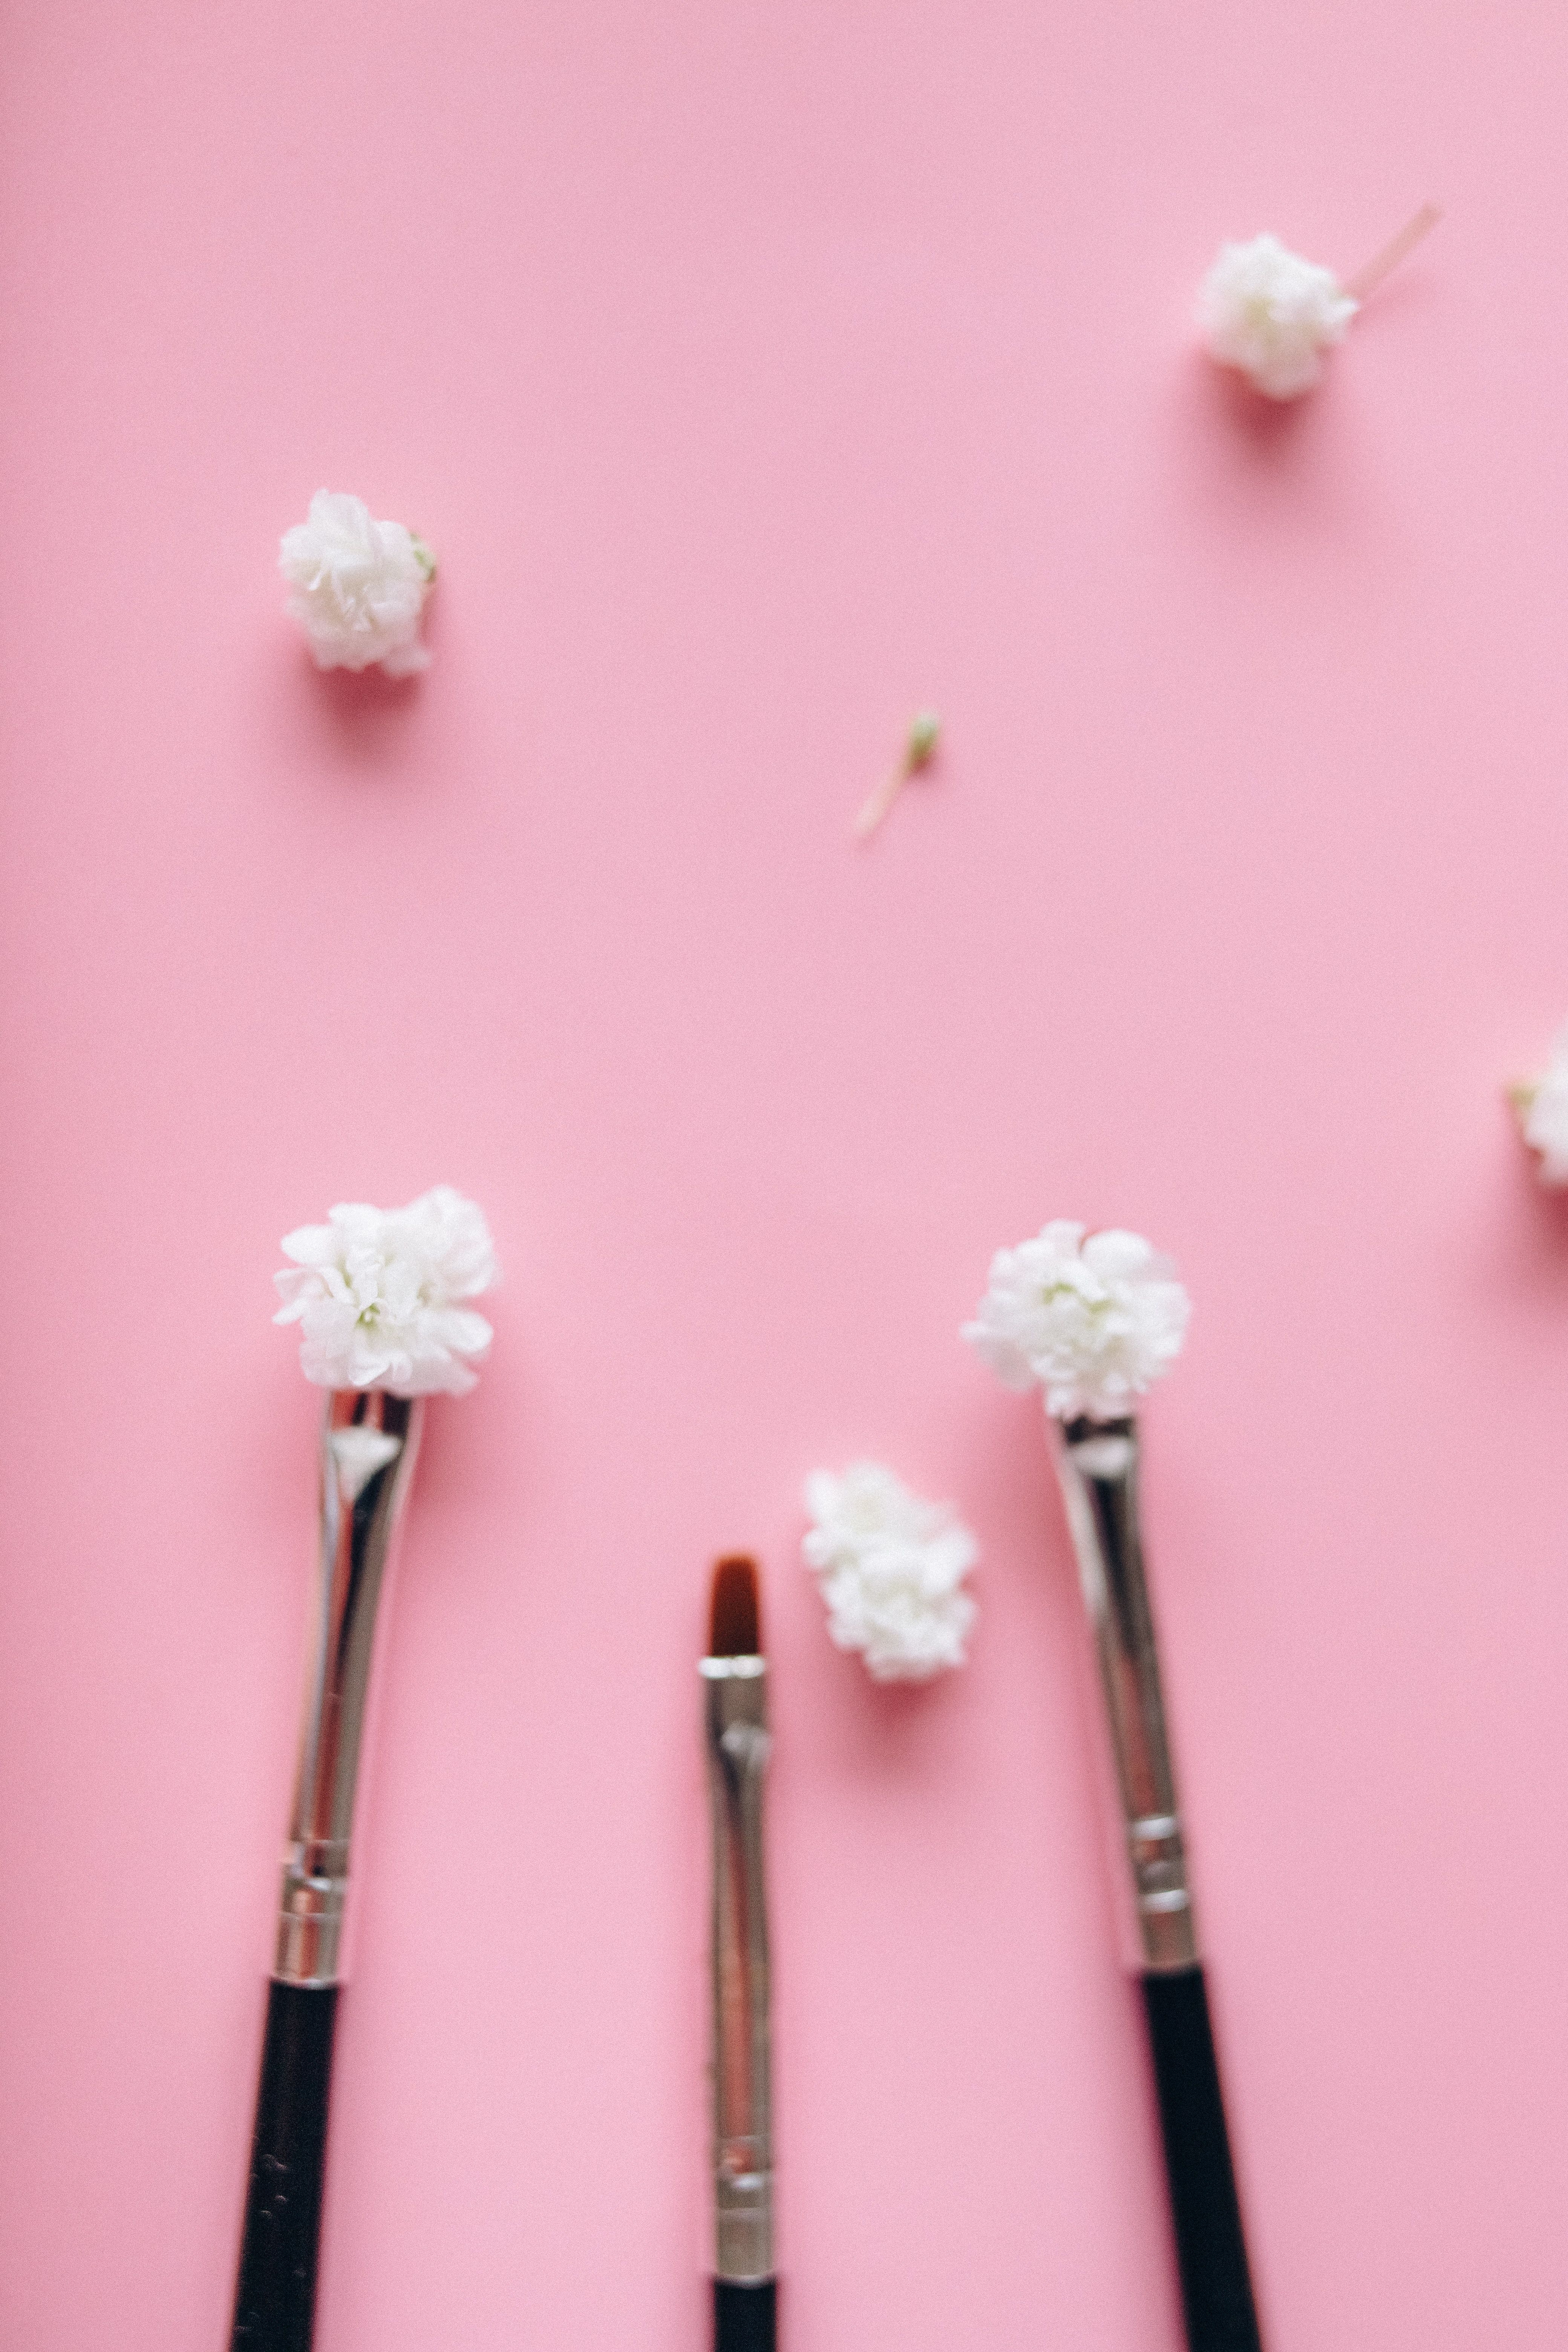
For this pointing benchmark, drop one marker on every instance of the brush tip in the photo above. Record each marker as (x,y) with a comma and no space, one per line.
(735,1620)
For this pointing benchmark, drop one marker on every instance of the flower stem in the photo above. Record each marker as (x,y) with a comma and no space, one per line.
(1372,273)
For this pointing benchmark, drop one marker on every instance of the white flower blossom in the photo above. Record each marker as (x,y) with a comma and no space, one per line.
(1544,1114)
(890,1567)
(1094,1321)
(358,586)
(376,1291)
(1264,309)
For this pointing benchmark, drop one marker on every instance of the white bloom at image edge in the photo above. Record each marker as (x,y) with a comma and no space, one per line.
(1543,1115)
(358,586)
(378,1294)
(1264,309)
(1094,1321)
(890,1567)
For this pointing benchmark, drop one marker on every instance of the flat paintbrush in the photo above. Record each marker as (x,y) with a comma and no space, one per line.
(368,1450)
(736,1730)
(1097,1462)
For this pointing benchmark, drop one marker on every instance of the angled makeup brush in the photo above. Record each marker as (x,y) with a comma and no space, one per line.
(378,1294)
(735,1730)
(1095,1321)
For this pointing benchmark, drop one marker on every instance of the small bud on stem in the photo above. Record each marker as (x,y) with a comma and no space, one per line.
(920,749)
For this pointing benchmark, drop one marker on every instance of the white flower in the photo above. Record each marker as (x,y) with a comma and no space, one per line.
(1265,311)
(375,1292)
(1543,1115)
(358,586)
(891,1568)
(1094,1321)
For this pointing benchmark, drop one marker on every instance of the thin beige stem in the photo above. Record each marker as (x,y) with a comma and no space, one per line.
(876,808)
(1373,272)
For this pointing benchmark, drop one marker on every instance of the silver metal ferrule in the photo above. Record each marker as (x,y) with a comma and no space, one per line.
(735,1723)
(1097,1462)
(369,1442)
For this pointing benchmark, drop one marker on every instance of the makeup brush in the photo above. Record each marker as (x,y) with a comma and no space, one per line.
(377,1294)
(735,1730)
(1095,1321)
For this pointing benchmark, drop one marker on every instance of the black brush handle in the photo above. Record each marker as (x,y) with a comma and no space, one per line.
(275,2302)
(1216,2285)
(745,2318)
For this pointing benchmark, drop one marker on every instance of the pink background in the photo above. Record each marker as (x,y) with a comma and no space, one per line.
(759,373)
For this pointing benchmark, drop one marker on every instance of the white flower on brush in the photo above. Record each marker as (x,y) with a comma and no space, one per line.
(1093,1320)
(1542,1107)
(891,1568)
(358,587)
(1266,311)
(378,1293)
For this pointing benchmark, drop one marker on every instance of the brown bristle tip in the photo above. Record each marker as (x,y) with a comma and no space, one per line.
(735,1625)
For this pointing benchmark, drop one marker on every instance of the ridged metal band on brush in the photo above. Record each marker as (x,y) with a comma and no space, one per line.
(369,1442)
(1097,1462)
(735,1721)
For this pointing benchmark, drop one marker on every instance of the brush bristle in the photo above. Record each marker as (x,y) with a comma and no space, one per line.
(735,1625)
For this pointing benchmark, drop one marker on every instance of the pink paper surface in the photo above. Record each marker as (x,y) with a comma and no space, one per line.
(759,374)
